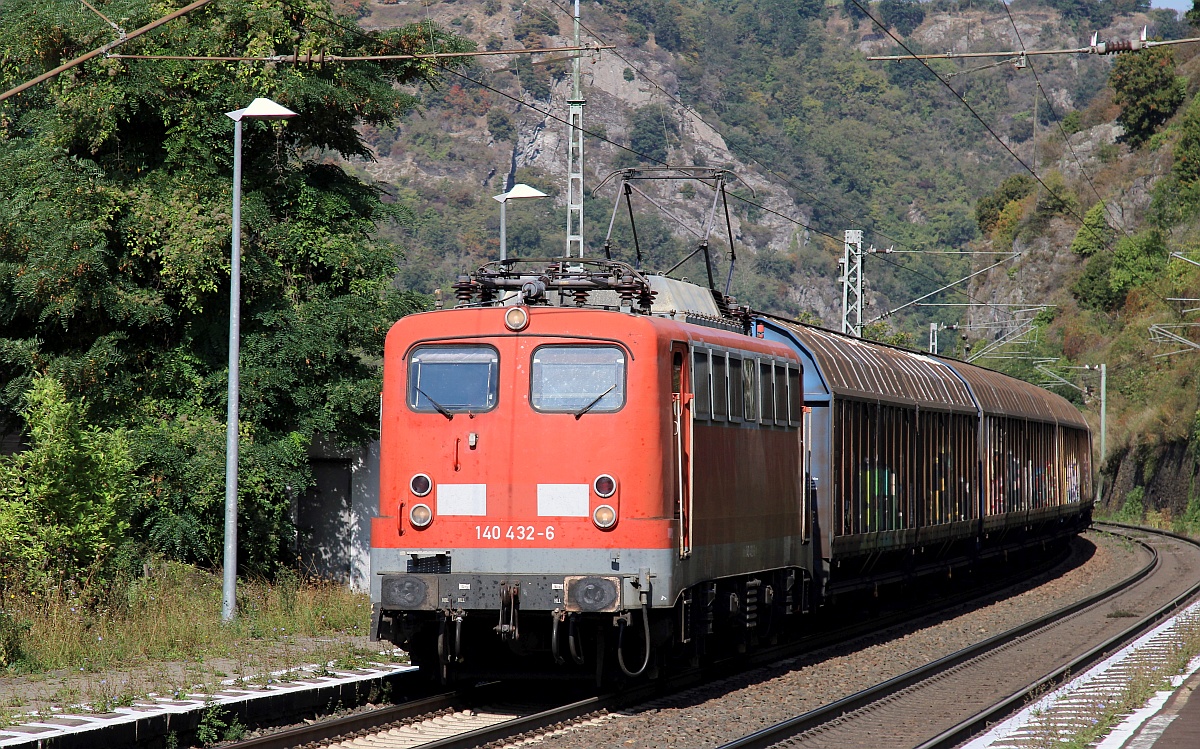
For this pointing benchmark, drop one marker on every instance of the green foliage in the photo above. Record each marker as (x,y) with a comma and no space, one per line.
(902,15)
(1072,122)
(1094,289)
(1147,90)
(1008,223)
(1056,199)
(1134,508)
(1095,233)
(114,263)
(12,640)
(1137,260)
(884,332)
(627,74)
(534,24)
(854,11)
(650,129)
(988,208)
(1186,168)
(500,124)
(534,80)
(637,33)
(64,502)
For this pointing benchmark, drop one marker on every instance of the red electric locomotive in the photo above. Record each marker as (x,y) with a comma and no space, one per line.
(579,449)
(541,477)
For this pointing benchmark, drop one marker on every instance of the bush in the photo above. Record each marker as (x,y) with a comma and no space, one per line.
(987,210)
(64,503)
(649,129)
(12,640)
(1057,199)
(1134,508)
(500,124)
(1093,289)
(533,24)
(1095,234)
(1186,168)
(1137,260)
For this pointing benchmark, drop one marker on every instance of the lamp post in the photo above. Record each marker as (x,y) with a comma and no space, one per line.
(259,109)
(518,191)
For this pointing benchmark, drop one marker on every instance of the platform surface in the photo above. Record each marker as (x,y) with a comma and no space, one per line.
(1177,725)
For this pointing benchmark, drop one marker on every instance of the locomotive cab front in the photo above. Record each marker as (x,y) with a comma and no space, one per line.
(521,481)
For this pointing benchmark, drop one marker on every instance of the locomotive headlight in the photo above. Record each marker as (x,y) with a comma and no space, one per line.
(604,517)
(420,484)
(420,516)
(604,485)
(516,318)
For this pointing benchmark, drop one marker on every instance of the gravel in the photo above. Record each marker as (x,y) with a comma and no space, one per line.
(727,709)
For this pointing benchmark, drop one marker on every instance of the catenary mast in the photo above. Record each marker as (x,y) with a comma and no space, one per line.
(575,156)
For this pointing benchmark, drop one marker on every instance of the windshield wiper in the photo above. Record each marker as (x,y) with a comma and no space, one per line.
(442,409)
(592,405)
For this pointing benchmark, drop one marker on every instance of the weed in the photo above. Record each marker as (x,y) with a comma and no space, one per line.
(1120,614)
(212,725)
(13,634)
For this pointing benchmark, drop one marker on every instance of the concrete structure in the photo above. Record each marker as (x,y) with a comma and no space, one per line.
(333,518)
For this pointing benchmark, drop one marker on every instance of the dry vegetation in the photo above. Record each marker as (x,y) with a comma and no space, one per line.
(77,648)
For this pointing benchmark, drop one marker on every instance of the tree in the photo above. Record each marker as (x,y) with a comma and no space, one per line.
(115,240)
(902,15)
(1147,91)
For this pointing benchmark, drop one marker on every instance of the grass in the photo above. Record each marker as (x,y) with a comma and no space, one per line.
(173,613)
(161,632)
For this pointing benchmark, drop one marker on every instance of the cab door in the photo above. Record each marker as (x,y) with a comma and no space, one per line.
(681,435)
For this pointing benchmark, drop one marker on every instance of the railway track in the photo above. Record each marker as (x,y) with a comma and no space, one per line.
(483,715)
(945,702)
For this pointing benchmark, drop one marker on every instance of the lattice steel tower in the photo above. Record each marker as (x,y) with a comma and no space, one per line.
(851,279)
(575,156)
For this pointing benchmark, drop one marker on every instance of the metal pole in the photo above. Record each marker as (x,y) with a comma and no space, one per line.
(503,231)
(575,154)
(933,331)
(1103,425)
(229,587)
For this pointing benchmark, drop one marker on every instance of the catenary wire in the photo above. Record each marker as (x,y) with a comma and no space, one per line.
(649,158)
(1106,242)
(699,118)
(1058,122)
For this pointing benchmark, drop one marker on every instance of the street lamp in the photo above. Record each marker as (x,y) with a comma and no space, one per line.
(518,191)
(259,109)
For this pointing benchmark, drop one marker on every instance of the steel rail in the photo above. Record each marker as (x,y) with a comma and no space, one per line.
(352,723)
(378,719)
(784,730)
(973,725)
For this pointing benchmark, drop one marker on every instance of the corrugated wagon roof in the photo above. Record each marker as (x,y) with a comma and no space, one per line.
(863,369)
(1000,394)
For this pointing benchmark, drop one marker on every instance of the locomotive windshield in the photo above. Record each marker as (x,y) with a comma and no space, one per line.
(578,379)
(453,378)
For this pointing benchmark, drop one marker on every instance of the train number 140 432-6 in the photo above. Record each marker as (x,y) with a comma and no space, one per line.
(513,533)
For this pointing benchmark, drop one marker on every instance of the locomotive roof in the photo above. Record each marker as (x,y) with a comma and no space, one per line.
(863,369)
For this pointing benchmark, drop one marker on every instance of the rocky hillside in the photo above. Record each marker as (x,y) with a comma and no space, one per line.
(824,140)
(820,137)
